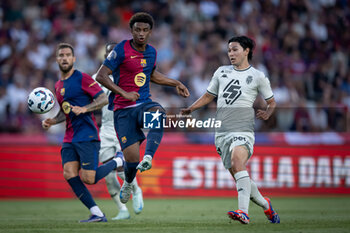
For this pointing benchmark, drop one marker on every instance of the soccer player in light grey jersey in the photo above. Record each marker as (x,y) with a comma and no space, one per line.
(109,147)
(236,87)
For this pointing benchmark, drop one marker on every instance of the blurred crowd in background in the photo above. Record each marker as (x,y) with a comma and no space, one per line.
(302,46)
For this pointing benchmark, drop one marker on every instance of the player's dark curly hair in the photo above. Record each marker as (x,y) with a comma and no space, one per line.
(109,46)
(63,46)
(245,42)
(141,17)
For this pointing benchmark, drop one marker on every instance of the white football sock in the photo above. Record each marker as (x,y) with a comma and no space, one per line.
(119,162)
(113,187)
(95,210)
(256,196)
(243,188)
(134,185)
(121,175)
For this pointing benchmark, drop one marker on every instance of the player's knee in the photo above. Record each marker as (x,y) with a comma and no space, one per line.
(88,180)
(68,174)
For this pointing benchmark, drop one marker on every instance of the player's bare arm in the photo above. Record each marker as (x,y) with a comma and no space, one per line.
(265,114)
(47,123)
(203,100)
(102,77)
(96,104)
(161,79)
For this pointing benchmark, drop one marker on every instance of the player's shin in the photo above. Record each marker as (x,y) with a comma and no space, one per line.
(256,196)
(113,187)
(81,192)
(244,189)
(130,171)
(154,137)
(104,169)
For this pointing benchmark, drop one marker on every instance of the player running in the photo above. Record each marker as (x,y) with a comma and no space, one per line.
(133,65)
(109,147)
(79,95)
(236,87)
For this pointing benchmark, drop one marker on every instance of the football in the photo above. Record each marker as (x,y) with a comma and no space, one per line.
(41,100)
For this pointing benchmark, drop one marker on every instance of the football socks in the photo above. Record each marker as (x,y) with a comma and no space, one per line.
(130,171)
(256,196)
(104,169)
(243,188)
(81,192)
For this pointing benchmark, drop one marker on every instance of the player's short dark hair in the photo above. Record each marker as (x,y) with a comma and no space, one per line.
(141,17)
(109,46)
(63,46)
(245,42)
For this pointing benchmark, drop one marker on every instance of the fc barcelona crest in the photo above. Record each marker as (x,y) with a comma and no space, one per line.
(143,63)
(124,140)
(63,90)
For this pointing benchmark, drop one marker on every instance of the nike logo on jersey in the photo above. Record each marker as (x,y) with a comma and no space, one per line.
(85,164)
(132,57)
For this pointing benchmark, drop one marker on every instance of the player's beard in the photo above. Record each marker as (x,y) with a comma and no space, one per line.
(66,70)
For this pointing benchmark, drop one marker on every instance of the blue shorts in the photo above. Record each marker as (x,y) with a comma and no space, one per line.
(128,123)
(84,152)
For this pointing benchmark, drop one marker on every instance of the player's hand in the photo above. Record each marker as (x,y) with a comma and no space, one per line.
(185,111)
(132,96)
(262,115)
(47,123)
(78,110)
(145,164)
(182,90)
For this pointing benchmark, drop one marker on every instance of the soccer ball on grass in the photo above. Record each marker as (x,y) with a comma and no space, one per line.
(41,100)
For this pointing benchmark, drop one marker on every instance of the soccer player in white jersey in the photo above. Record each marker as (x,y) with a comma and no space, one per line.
(236,87)
(109,148)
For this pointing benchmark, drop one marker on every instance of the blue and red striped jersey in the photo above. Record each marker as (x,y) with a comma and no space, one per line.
(132,71)
(78,90)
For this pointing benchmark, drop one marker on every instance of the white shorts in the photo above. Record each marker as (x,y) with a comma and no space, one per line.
(225,143)
(109,147)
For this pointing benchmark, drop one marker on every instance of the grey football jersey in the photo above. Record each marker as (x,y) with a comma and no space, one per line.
(107,131)
(236,91)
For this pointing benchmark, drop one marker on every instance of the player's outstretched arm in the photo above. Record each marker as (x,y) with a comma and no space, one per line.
(102,77)
(47,123)
(161,79)
(98,103)
(203,100)
(265,114)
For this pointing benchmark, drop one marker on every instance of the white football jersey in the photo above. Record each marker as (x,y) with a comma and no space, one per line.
(236,91)
(107,131)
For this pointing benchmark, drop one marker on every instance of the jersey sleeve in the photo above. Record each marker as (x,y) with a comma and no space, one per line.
(265,87)
(213,87)
(90,86)
(115,57)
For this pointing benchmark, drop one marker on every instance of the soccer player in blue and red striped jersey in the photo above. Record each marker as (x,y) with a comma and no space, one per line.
(133,65)
(79,95)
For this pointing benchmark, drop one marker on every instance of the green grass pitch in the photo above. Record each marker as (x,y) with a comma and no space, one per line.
(310,214)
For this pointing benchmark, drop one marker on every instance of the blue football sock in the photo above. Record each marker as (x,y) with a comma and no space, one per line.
(104,170)
(130,171)
(81,191)
(154,137)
